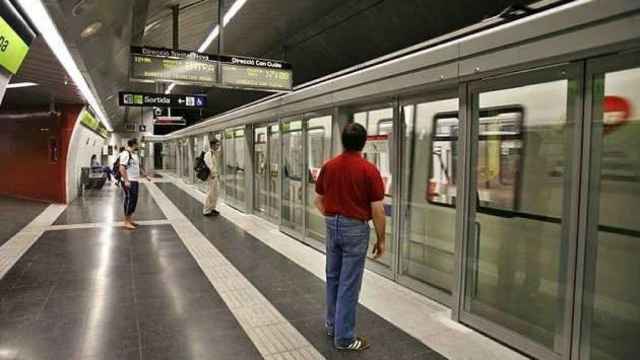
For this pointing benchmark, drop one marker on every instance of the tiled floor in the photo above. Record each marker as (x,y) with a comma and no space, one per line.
(115,294)
(105,206)
(16,214)
(296,293)
(184,286)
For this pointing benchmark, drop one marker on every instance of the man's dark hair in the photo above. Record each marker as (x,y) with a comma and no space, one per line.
(354,136)
(132,142)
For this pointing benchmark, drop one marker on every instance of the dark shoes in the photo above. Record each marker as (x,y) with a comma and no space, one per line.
(212,212)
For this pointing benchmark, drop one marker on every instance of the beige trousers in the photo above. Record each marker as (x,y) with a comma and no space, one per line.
(211,202)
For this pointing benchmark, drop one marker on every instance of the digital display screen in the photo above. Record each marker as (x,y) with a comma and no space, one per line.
(256,77)
(188,67)
(152,68)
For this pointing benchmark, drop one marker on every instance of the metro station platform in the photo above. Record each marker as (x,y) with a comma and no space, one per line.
(74,284)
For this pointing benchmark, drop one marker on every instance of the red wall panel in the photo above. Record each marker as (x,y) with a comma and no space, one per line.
(29,167)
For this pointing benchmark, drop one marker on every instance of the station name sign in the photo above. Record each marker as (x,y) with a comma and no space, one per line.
(15,37)
(127,98)
(192,68)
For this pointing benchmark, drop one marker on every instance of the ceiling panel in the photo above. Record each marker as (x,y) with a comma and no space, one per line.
(42,67)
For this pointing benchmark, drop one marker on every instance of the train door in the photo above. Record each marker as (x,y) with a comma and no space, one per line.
(219,135)
(228,155)
(235,168)
(522,208)
(273,183)
(186,149)
(318,151)
(428,213)
(292,176)
(201,145)
(379,150)
(261,171)
(610,301)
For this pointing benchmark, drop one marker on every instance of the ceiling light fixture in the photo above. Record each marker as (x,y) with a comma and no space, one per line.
(233,10)
(39,16)
(91,30)
(21,85)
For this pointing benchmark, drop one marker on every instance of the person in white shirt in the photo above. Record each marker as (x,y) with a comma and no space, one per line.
(130,171)
(211,160)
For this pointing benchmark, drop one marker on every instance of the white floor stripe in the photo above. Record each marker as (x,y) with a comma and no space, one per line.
(271,333)
(422,318)
(104,225)
(14,248)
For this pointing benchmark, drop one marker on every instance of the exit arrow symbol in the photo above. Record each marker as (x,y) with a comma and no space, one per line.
(181,101)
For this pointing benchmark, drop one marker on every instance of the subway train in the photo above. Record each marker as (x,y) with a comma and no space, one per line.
(511,174)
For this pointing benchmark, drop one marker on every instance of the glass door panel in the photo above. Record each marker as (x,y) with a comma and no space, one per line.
(261,161)
(200,146)
(239,178)
(318,134)
(522,171)
(611,307)
(229,155)
(429,173)
(273,207)
(378,150)
(293,174)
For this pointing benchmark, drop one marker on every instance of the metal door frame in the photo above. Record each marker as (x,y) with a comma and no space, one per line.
(587,251)
(299,235)
(256,193)
(373,105)
(427,95)
(470,129)
(305,135)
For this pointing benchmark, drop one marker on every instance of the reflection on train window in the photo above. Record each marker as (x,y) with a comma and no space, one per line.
(499,158)
(293,157)
(316,151)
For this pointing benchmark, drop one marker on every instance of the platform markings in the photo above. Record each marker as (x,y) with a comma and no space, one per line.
(271,333)
(14,248)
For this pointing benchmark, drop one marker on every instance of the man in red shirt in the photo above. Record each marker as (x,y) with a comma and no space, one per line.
(350,192)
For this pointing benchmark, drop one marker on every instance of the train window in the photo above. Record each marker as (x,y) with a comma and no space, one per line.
(292,142)
(499,158)
(316,141)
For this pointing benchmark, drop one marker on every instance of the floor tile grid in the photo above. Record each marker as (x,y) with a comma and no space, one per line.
(14,248)
(271,333)
(419,316)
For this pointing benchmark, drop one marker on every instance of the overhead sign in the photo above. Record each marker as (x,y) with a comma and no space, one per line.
(255,73)
(126,98)
(170,120)
(89,120)
(15,37)
(192,68)
(179,66)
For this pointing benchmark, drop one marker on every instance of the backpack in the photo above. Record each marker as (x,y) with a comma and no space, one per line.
(201,168)
(116,167)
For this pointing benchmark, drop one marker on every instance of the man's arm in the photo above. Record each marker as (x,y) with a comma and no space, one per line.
(318,203)
(379,222)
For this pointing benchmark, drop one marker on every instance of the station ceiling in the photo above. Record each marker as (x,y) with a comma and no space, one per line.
(318,37)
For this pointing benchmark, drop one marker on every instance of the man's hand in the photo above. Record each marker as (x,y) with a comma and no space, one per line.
(378,249)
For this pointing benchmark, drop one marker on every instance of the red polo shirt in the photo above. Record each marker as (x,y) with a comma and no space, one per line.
(349,184)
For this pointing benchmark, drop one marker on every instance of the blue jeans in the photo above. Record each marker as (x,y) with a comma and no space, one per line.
(347,243)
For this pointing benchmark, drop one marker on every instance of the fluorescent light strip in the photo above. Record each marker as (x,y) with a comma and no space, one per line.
(233,10)
(21,85)
(39,16)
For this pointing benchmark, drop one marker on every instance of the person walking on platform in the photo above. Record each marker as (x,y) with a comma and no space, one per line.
(211,160)
(130,170)
(349,192)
